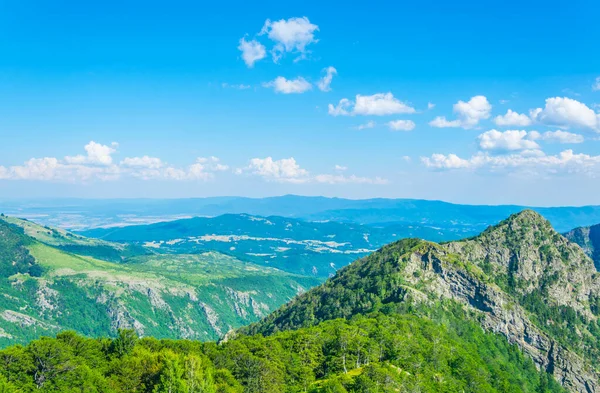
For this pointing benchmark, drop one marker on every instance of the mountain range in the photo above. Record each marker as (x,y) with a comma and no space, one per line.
(513,309)
(315,248)
(81,214)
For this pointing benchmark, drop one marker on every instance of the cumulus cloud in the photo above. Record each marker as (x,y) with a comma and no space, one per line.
(340,168)
(292,35)
(507,140)
(567,112)
(442,122)
(401,125)
(596,84)
(97,154)
(352,179)
(287,170)
(512,118)
(557,136)
(98,164)
(430,105)
(142,162)
(289,86)
(324,83)
(380,104)
(252,51)
(441,161)
(566,162)
(469,114)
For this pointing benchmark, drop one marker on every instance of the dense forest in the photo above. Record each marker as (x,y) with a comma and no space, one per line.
(375,353)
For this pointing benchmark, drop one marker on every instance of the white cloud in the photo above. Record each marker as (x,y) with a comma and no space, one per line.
(469,114)
(98,165)
(507,140)
(142,162)
(199,171)
(596,84)
(46,168)
(292,35)
(287,170)
(97,154)
(566,162)
(512,118)
(442,122)
(352,179)
(252,51)
(212,163)
(558,136)
(430,105)
(380,104)
(566,112)
(324,83)
(401,125)
(441,161)
(289,86)
(53,169)
(342,109)
(367,125)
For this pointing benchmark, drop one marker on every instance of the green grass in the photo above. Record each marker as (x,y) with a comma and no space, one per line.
(164,295)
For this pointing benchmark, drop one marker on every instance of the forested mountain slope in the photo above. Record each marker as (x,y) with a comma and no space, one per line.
(408,317)
(369,354)
(522,280)
(45,289)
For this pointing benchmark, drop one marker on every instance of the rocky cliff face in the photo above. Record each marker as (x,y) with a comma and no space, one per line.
(519,279)
(588,239)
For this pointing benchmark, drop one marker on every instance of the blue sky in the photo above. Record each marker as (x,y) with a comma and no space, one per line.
(166,100)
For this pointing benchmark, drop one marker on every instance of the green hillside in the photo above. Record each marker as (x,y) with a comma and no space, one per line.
(200,296)
(520,279)
(77,244)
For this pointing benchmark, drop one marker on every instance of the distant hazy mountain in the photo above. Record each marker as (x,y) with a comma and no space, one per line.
(297,246)
(85,213)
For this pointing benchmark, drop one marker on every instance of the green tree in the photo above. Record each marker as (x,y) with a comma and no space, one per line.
(171,376)
(124,342)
